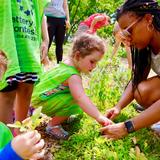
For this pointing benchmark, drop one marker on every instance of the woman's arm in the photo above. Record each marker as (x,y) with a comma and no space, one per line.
(144,119)
(77,91)
(147,117)
(115,48)
(127,97)
(66,10)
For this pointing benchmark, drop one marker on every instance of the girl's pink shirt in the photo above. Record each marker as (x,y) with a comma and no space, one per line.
(98,25)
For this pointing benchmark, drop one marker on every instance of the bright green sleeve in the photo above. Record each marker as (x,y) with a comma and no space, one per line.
(7,40)
(5,135)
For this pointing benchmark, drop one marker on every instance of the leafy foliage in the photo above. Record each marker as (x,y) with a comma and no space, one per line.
(81,9)
(105,86)
(32,122)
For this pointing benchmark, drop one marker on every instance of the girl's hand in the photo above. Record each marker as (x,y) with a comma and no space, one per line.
(46,62)
(44,50)
(108,21)
(114,131)
(28,145)
(113,112)
(90,31)
(104,121)
(3,64)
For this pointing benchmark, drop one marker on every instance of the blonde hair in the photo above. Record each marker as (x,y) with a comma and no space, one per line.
(87,43)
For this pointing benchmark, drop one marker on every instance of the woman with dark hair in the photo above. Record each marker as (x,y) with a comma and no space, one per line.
(139,21)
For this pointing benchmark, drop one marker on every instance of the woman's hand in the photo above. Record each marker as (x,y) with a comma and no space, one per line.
(67,24)
(113,112)
(114,131)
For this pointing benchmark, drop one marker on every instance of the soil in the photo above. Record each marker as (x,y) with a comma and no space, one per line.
(51,145)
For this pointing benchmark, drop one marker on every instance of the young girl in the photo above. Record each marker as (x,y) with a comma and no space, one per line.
(20,32)
(60,91)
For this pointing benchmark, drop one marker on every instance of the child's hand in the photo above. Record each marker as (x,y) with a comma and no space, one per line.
(3,64)
(29,145)
(44,50)
(113,112)
(46,62)
(104,121)
(108,20)
(90,31)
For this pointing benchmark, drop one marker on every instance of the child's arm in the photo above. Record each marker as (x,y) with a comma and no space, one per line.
(45,42)
(97,19)
(77,91)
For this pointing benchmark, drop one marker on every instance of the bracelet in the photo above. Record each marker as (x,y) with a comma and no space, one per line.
(129,126)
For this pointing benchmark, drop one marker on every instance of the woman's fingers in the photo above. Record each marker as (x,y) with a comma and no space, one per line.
(104,129)
(114,131)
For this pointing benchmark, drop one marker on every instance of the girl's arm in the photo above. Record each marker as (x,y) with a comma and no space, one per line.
(66,10)
(45,41)
(95,20)
(77,91)
(45,36)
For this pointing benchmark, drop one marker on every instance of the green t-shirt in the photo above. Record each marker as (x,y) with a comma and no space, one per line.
(5,135)
(20,32)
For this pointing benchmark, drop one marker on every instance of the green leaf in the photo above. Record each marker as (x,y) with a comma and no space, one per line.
(17,124)
(36,114)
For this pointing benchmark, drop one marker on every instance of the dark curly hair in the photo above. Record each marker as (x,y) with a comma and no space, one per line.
(140,63)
